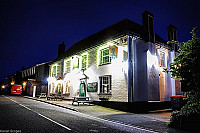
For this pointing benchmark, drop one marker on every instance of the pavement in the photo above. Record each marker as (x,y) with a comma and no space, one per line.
(98,111)
(161,115)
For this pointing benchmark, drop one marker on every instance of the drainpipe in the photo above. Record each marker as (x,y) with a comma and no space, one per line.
(130,69)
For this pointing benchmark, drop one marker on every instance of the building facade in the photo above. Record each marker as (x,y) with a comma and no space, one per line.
(34,79)
(123,62)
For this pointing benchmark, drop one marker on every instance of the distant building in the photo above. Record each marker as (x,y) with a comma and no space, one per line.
(123,62)
(34,79)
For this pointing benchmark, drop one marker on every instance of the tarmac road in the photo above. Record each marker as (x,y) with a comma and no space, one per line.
(19,114)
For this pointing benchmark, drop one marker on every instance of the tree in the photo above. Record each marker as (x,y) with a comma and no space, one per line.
(186,67)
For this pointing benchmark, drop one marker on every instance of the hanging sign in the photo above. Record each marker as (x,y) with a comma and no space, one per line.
(113,51)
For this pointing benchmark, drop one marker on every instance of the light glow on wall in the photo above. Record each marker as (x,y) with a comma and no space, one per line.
(152,60)
(51,79)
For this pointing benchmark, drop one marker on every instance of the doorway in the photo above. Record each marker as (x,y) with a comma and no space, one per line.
(82,90)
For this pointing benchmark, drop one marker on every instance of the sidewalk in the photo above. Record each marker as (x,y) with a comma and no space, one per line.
(155,120)
(95,110)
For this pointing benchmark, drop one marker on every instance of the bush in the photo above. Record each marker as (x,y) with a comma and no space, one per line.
(188,118)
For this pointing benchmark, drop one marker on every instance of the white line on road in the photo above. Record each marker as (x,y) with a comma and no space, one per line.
(41,115)
(102,119)
(122,124)
(53,121)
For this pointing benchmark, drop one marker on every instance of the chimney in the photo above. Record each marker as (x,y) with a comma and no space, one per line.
(61,49)
(148,24)
(172,36)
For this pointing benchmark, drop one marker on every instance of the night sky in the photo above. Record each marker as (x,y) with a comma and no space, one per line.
(30,30)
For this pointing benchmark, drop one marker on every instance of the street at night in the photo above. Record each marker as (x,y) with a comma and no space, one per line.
(99,66)
(25,115)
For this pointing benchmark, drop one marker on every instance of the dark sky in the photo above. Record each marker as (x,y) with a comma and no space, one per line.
(30,30)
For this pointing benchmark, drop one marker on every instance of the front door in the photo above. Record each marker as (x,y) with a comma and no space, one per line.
(82,90)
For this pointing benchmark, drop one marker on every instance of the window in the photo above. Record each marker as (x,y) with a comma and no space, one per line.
(75,62)
(84,61)
(162,59)
(54,71)
(105,84)
(104,56)
(125,56)
(68,66)
(53,88)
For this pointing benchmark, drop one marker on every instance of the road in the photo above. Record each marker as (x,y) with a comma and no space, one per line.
(18,114)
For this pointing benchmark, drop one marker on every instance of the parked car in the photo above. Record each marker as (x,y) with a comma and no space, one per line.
(16,89)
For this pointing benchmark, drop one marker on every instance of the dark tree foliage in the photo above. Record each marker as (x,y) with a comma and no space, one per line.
(186,67)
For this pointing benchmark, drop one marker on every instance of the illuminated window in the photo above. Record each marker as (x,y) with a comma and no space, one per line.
(58,89)
(67,87)
(53,88)
(75,62)
(105,84)
(162,59)
(125,56)
(104,56)
(54,70)
(68,66)
(84,61)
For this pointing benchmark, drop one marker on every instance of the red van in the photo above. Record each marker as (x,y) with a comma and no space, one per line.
(16,89)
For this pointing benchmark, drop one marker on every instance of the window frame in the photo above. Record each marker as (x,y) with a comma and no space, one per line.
(103,56)
(84,61)
(103,80)
(67,66)
(52,72)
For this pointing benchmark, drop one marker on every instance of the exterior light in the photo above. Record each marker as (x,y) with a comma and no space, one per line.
(24,83)
(110,43)
(3,86)
(12,83)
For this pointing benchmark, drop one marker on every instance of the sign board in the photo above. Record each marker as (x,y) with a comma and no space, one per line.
(113,51)
(92,87)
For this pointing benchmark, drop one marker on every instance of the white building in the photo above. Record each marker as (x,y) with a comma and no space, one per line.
(123,62)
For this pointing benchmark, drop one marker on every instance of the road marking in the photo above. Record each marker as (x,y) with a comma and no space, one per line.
(40,114)
(122,124)
(108,120)
(53,121)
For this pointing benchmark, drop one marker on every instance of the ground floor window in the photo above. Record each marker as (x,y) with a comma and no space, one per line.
(59,89)
(67,87)
(105,84)
(52,88)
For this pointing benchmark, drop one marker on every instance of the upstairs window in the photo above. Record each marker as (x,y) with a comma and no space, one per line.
(125,56)
(84,62)
(54,70)
(105,84)
(75,62)
(162,59)
(68,66)
(104,56)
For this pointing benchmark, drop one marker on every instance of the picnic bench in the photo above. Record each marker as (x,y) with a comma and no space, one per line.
(81,100)
(54,96)
(42,95)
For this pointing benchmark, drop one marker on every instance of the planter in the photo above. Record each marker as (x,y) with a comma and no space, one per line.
(177,102)
(104,97)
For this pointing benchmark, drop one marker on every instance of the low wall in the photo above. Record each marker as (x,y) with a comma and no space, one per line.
(135,107)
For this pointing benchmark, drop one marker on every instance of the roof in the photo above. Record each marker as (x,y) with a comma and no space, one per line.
(123,27)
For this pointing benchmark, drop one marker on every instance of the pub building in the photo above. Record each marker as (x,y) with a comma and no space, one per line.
(122,63)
